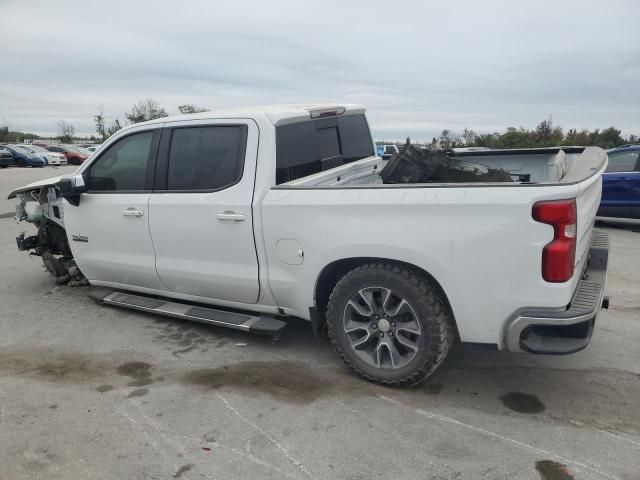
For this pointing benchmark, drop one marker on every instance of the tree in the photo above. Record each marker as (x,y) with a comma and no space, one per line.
(469,137)
(188,108)
(544,130)
(115,126)
(610,137)
(445,141)
(100,123)
(65,131)
(147,109)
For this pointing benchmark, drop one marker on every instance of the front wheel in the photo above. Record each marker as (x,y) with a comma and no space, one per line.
(389,324)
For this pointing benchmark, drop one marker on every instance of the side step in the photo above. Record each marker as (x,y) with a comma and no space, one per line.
(238,321)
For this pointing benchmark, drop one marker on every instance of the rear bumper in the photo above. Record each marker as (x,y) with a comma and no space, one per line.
(560,332)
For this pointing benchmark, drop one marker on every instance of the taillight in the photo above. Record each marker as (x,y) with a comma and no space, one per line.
(558,256)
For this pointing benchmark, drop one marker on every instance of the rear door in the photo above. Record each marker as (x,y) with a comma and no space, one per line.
(620,184)
(108,231)
(200,212)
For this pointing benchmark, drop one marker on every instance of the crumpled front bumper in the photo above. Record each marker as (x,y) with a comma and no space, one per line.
(560,332)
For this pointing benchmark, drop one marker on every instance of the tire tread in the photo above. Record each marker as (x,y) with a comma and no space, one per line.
(440,322)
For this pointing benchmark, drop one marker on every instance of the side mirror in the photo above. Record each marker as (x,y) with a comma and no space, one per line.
(70,188)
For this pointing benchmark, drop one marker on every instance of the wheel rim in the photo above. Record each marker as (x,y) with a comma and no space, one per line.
(382,328)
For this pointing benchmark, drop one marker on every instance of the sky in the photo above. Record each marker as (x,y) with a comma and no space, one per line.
(418,66)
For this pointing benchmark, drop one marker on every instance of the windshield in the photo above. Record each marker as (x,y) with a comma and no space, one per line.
(36,148)
(26,149)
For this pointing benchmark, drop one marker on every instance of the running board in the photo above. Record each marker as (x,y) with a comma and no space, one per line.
(238,321)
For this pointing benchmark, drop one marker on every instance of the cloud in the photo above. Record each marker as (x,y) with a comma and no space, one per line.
(418,66)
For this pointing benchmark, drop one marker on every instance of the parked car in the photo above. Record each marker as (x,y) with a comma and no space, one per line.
(74,157)
(92,148)
(83,150)
(6,157)
(22,158)
(386,151)
(208,211)
(53,158)
(621,183)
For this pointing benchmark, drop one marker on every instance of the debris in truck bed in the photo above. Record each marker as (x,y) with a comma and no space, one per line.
(416,165)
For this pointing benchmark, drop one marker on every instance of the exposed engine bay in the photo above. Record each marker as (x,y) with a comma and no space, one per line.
(43,208)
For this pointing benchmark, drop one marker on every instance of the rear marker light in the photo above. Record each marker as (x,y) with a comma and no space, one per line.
(558,256)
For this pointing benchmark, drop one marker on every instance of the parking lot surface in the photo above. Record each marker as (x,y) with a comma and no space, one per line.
(95,392)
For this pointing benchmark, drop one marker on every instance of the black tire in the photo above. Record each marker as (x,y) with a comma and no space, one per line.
(426,301)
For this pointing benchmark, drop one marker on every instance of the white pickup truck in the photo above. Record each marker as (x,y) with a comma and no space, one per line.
(245,218)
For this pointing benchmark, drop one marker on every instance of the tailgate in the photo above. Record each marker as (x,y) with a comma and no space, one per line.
(587,203)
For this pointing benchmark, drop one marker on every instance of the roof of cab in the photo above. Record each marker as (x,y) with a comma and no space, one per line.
(277,114)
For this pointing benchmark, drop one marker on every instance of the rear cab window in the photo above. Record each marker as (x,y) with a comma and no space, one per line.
(312,146)
(206,158)
(623,162)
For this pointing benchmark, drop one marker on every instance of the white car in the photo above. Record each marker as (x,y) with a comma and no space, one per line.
(54,158)
(267,214)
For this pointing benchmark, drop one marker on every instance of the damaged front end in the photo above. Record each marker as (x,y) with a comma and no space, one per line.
(41,205)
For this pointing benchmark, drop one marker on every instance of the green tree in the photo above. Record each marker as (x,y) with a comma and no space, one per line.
(101,129)
(188,108)
(115,126)
(143,110)
(469,137)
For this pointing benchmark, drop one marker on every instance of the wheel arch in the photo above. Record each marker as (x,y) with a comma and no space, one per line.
(331,274)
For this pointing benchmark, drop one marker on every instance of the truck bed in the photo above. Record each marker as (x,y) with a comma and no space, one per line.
(556,165)
(459,232)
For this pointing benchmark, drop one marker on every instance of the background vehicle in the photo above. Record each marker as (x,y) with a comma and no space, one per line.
(621,183)
(6,158)
(92,148)
(288,212)
(386,151)
(23,158)
(74,157)
(53,158)
(81,149)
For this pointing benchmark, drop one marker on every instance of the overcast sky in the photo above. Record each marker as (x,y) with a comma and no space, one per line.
(418,66)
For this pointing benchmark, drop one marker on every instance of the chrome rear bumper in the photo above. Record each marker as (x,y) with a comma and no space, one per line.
(560,332)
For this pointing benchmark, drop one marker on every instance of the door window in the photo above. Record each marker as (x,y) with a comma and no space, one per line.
(622,162)
(123,166)
(206,158)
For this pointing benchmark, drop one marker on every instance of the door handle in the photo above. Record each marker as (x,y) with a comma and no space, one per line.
(132,212)
(230,217)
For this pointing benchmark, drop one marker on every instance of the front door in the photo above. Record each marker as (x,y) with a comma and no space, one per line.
(200,211)
(108,231)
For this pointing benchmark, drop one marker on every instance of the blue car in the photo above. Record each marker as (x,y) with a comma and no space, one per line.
(621,183)
(22,158)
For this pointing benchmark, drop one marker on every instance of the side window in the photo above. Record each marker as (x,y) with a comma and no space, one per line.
(123,166)
(206,158)
(622,162)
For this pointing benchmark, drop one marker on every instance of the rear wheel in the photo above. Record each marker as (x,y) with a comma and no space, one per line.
(389,324)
